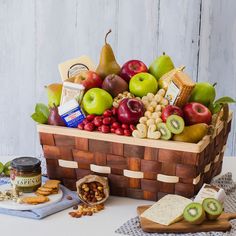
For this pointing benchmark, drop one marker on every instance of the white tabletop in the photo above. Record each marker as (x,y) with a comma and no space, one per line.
(118,210)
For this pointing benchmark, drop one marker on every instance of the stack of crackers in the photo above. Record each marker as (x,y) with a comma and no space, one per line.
(50,187)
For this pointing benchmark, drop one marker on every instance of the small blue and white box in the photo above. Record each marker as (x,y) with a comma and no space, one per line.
(71,113)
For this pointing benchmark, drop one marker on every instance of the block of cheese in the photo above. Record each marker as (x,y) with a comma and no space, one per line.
(167,210)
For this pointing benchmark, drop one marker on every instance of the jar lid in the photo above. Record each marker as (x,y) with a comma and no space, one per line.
(25,163)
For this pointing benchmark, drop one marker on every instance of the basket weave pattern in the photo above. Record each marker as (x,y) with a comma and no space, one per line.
(133,171)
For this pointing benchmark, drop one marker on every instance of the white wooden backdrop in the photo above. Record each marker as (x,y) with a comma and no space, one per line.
(37,35)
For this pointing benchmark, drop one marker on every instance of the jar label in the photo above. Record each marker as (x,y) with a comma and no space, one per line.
(21,181)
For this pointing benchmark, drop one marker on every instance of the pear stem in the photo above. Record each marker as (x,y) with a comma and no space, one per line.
(107,35)
(214,84)
(163,53)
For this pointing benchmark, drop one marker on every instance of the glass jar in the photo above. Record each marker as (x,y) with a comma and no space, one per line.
(25,174)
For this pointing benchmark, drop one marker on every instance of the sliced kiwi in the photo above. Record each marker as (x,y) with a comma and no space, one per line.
(165,132)
(212,207)
(194,213)
(175,124)
(7,167)
(1,167)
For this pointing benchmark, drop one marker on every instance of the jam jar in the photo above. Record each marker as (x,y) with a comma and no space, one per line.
(25,174)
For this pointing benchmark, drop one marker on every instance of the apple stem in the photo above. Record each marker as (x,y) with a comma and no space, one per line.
(107,35)
(182,68)
(214,84)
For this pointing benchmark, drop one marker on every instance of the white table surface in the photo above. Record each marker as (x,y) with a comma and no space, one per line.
(118,210)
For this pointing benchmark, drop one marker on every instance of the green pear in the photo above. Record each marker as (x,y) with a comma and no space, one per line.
(192,134)
(107,63)
(203,93)
(161,66)
(54,94)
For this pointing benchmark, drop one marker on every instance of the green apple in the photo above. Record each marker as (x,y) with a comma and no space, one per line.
(161,65)
(143,83)
(96,101)
(54,94)
(203,93)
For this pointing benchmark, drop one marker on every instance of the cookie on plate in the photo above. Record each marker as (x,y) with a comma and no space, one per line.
(53,185)
(34,200)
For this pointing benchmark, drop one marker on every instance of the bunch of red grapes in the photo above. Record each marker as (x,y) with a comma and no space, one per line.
(106,123)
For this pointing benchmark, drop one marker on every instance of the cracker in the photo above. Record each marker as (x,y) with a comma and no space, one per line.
(42,193)
(53,184)
(43,189)
(35,200)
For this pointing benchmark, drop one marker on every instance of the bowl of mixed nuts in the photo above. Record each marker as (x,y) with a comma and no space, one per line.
(93,189)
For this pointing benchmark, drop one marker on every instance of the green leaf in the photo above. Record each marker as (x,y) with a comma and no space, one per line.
(223,100)
(216,108)
(39,117)
(41,108)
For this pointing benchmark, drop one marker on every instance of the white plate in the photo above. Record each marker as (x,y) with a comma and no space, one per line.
(9,204)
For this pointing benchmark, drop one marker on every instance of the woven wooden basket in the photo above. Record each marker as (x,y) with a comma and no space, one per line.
(136,168)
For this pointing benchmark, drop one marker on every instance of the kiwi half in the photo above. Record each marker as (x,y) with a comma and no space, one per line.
(175,124)
(212,207)
(194,213)
(1,167)
(165,132)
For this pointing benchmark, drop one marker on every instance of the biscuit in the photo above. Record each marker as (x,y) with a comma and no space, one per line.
(42,193)
(43,189)
(35,200)
(53,184)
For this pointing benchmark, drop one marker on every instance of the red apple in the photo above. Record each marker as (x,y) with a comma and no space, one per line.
(130,110)
(131,68)
(88,79)
(171,110)
(195,113)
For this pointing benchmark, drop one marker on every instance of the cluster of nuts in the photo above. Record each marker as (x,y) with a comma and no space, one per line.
(147,127)
(11,194)
(122,96)
(85,210)
(92,192)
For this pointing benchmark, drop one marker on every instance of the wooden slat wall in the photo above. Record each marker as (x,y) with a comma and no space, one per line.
(36,35)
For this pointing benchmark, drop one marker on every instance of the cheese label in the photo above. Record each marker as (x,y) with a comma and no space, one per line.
(73,67)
